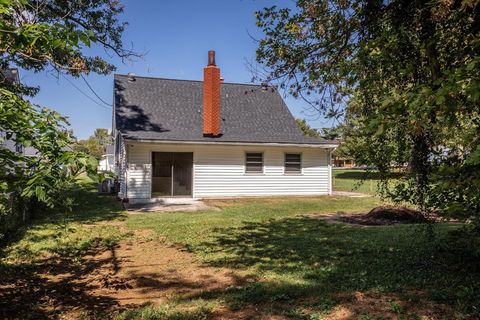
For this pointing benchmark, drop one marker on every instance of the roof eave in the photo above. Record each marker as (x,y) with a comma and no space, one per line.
(326,145)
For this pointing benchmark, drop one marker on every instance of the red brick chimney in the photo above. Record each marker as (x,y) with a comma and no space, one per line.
(211,97)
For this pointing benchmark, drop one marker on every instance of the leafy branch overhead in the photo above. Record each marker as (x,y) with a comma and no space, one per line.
(404,75)
(45,35)
(36,34)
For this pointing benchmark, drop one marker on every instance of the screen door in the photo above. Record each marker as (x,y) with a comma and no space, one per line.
(172,174)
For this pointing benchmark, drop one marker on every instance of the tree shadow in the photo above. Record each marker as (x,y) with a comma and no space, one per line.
(132,117)
(356,174)
(307,259)
(89,208)
(48,288)
(27,289)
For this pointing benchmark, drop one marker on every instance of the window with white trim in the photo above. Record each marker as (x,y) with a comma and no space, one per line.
(254,162)
(293,162)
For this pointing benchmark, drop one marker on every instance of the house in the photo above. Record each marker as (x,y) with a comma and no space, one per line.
(7,141)
(211,138)
(339,162)
(106,163)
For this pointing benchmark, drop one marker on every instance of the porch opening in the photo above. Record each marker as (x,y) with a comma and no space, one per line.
(172,174)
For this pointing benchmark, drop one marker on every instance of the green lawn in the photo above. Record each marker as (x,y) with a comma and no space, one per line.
(355,180)
(302,268)
(305,263)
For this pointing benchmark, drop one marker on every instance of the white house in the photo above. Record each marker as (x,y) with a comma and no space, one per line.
(211,139)
(106,164)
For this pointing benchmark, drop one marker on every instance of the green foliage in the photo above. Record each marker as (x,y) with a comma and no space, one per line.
(68,234)
(96,144)
(40,179)
(36,36)
(332,133)
(406,76)
(306,129)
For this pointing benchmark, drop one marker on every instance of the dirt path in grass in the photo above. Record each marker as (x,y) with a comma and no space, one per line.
(140,271)
(135,272)
(143,270)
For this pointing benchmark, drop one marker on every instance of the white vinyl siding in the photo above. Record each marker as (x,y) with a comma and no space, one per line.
(220,171)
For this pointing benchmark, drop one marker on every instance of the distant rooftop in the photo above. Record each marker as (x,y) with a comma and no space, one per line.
(11,74)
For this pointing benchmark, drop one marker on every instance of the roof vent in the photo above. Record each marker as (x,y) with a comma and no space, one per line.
(131,77)
(264,86)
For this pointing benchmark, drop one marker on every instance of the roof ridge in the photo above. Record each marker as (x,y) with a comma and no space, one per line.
(187,80)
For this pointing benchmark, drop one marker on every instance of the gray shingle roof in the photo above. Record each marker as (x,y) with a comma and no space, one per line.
(171,110)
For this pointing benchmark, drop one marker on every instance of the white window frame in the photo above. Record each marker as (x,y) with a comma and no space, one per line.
(245,163)
(300,172)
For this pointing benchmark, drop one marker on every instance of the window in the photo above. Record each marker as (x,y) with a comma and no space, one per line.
(254,162)
(18,148)
(293,163)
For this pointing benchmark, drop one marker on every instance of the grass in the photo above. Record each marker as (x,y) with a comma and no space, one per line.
(300,259)
(168,312)
(68,234)
(301,267)
(355,180)
(192,229)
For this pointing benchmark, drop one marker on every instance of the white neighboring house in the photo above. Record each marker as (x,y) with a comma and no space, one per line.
(106,163)
(200,139)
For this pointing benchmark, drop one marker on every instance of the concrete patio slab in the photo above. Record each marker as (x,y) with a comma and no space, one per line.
(351,194)
(169,205)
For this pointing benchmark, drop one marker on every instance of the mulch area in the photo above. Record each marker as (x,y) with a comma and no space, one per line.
(386,215)
(379,216)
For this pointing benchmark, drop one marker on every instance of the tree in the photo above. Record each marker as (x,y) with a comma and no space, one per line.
(406,77)
(103,137)
(332,133)
(306,129)
(39,35)
(96,144)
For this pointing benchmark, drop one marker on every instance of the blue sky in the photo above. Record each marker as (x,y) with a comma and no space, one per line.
(176,36)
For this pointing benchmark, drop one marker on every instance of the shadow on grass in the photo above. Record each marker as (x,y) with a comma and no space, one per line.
(27,289)
(49,287)
(364,175)
(309,260)
(89,207)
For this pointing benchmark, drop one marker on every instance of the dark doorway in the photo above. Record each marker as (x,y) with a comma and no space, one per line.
(172,174)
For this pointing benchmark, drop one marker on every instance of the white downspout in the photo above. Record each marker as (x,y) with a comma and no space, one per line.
(330,176)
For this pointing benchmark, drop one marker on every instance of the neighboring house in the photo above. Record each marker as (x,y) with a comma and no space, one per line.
(12,75)
(211,139)
(339,162)
(17,148)
(106,163)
